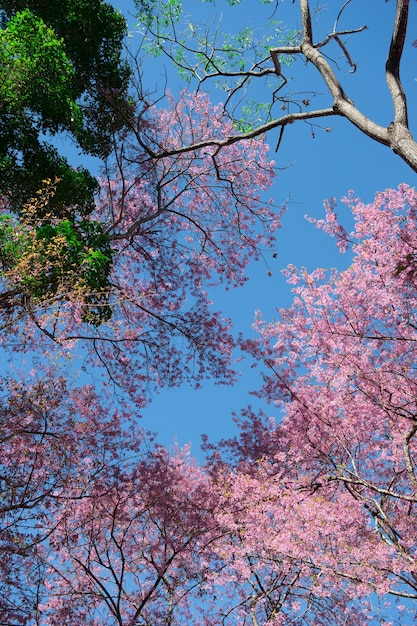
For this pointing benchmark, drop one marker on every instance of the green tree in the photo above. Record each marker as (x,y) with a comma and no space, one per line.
(46,260)
(61,71)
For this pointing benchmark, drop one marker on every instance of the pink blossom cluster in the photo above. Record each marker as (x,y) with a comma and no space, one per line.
(181,218)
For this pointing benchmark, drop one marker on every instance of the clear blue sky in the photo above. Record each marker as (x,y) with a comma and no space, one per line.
(310,170)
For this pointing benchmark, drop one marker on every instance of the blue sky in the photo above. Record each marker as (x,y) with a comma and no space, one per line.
(308,171)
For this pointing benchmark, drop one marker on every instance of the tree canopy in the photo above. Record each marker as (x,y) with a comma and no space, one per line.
(308,518)
(62,73)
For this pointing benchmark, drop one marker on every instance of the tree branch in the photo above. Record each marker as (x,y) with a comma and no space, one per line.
(397,135)
(290,118)
(399,100)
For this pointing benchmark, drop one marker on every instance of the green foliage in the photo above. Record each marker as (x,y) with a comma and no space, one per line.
(91,32)
(75,252)
(231,62)
(35,96)
(252,115)
(163,12)
(45,257)
(202,51)
(11,246)
(60,71)
(24,164)
(36,74)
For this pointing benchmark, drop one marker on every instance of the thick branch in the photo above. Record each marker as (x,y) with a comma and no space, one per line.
(399,100)
(396,136)
(290,118)
(408,459)
(306,21)
(10,299)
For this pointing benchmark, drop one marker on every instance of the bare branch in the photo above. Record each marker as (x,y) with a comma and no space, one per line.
(393,64)
(395,136)
(290,118)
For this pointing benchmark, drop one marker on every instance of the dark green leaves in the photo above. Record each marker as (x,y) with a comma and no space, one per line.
(60,72)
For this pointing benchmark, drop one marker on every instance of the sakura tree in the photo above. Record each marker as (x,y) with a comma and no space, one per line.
(137,550)
(137,535)
(55,442)
(285,557)
(340,364)
(134,298)
(168,542)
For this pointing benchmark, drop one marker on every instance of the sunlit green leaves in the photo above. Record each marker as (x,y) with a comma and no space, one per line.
(253,114)
(36,75)
(163,12)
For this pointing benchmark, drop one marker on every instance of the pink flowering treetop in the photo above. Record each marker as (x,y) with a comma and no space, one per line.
(136,551)
(340,365)
(177,220)
(310,521)
(55,444)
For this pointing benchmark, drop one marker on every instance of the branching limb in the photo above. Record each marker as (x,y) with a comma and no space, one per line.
(290,118)
(395,135)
